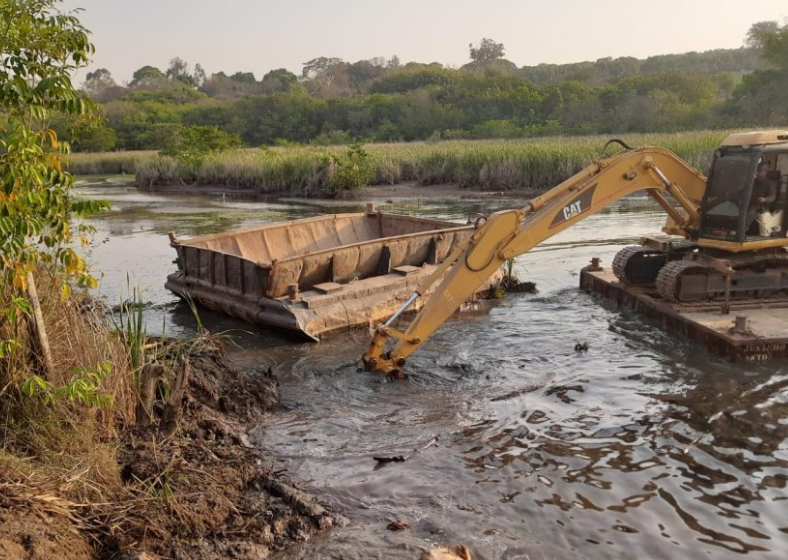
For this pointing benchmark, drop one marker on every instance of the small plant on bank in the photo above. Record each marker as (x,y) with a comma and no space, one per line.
(131,328)
(85,387)
(195,312)
(349,170)
(508,268)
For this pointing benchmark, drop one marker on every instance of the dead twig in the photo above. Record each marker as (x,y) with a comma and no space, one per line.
(148,376)
(172,410)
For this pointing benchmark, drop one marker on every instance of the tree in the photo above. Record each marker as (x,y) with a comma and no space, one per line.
(279,81)
(147,77)
(487,52)
(179,70)
(98,81)
(327,75)
(404,80)
(198,76)
(97,139)
(39,50)
(361,73)
(772,40)
(244,77)
(760,98)
(221,86)
(320,66)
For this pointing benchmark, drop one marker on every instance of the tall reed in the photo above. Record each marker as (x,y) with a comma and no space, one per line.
(107,163)
(532,164)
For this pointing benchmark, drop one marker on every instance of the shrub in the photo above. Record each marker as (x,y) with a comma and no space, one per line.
(350,170)
(496,129)
(388,132)
(194,143)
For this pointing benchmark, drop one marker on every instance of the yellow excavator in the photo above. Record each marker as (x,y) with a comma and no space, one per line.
(734,224)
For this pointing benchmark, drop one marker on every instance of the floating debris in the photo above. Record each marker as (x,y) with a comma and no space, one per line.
(517,287)
(386,460)
(457,552)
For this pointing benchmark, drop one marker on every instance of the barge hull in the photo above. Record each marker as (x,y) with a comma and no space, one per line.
(359,304)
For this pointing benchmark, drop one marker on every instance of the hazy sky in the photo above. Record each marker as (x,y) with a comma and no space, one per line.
(260,35)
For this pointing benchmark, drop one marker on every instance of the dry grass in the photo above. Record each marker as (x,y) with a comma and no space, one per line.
(61,458)
(62,461)
(107,163)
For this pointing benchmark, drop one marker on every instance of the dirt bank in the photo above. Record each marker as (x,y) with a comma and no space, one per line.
(204,494)
(440,192)
(398,191)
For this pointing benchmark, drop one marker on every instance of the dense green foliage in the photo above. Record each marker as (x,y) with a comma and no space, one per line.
(39,49)
(381,100)
(606,70)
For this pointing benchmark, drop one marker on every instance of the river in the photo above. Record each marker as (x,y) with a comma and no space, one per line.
(645,446)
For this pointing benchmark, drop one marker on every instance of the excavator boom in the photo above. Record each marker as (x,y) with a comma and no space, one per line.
(509,233)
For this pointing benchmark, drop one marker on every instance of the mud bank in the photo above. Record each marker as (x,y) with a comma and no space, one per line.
(399,191)
(204,494)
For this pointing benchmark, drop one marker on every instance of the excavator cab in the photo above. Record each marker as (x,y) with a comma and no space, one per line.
(731,216)
(724,207)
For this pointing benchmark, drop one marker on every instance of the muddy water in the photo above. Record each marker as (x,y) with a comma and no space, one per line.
(645,446)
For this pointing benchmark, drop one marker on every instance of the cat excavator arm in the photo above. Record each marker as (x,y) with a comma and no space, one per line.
(509,233)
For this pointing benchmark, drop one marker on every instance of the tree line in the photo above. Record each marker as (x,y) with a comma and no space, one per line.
(383,100)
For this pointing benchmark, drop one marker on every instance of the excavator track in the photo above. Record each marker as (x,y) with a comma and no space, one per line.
(639,264)
(758,260)
(669,279)
(758,276)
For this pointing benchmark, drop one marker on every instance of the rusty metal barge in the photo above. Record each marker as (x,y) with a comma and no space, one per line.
(317,275)
(742,330)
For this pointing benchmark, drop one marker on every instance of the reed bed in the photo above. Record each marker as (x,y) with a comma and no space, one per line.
(107,163)
(533,164)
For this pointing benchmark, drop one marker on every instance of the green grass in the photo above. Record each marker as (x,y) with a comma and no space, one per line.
(534,164)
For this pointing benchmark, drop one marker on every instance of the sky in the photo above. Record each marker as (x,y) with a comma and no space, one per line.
(261,35)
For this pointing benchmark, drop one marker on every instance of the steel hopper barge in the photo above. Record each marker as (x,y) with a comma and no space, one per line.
(317,275)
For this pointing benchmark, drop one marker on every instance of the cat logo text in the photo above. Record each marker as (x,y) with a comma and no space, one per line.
(579,205)
(572,210)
